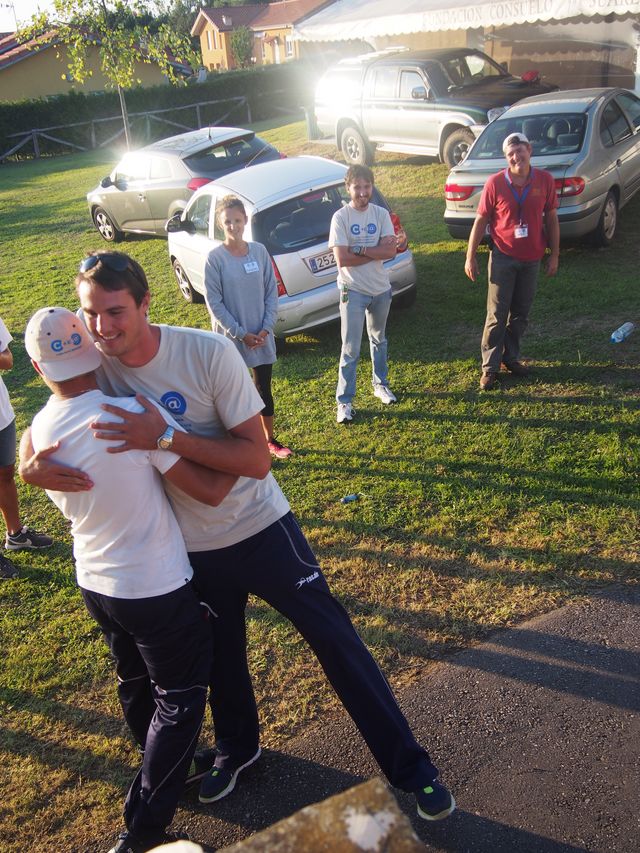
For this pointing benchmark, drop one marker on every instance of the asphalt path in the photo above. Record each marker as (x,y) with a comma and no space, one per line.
(537,733)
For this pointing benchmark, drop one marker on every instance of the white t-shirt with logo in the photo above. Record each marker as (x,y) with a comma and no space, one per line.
(126,540)
(351,227)
(200,378)
(6,410)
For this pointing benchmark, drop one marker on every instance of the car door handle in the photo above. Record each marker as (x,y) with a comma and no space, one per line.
(618,162)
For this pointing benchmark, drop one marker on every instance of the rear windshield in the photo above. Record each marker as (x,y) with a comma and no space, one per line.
(302,222)
(226,156)
(561,133)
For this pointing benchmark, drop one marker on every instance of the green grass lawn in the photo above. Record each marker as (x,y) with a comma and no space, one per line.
(475,511)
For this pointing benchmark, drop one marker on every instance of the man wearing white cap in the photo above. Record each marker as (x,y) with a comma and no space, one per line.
(519,206)
(132,569)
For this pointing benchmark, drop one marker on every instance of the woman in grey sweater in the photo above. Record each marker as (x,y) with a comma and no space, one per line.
(242,298)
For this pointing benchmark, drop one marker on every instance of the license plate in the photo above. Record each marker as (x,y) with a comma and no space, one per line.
(322,262)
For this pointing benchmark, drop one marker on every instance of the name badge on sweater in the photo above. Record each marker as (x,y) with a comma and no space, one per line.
(521,231)
(251,266)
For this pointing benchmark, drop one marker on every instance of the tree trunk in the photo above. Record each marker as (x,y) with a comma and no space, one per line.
(125,117)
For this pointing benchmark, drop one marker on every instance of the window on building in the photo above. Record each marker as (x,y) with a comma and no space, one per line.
(288,45)
(215,39)
(208,39)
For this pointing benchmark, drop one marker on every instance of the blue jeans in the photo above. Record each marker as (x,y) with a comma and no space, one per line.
(352,316)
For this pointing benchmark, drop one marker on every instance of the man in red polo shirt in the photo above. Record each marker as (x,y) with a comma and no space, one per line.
(519,206)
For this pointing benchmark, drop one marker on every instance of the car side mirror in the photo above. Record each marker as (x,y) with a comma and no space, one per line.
(176,224)
(106,182)
(419,94)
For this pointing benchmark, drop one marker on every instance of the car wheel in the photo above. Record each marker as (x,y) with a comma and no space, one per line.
(355,149)
(185,286)
(406,299)
(456,146)
(106,226)
(606,228)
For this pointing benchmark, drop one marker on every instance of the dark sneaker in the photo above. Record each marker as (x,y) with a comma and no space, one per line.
(8,570)
(27,538)
(518,368)
(488,381)
(203,762)
(280,451)
(434,801)
(128,844)
(222,780)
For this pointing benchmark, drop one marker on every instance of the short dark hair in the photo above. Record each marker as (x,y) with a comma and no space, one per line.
(131,277)
(230,201)
(355,173)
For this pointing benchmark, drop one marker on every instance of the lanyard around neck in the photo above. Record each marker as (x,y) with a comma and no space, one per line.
(519,197)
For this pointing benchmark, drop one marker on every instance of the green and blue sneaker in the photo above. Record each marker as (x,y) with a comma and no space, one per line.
(434,801)
(222,780)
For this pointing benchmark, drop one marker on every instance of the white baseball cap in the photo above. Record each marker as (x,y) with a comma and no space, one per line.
(514,139)
(58,341)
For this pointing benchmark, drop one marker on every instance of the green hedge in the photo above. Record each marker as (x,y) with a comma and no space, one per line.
(269,89)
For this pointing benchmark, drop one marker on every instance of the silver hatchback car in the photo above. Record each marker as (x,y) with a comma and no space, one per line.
(589,139)
(151,184)
(289,204)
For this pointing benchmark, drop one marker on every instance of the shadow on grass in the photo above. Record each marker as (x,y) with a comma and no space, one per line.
(594,490)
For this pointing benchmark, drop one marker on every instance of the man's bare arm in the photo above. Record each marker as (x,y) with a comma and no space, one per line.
(38,469)
(384,251)
(243,452)
(6,359)
(202,484)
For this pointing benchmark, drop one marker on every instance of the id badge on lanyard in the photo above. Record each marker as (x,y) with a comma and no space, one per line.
(522,229)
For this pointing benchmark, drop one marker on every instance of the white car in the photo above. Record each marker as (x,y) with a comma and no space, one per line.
(289,204)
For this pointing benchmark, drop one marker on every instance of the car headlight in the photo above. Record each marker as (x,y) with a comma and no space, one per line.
(495,113)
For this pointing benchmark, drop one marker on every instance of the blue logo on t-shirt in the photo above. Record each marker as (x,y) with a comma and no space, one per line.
(371,228)
(174,403)
(355,229)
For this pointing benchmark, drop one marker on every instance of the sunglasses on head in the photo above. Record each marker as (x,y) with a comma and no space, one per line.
(115,262)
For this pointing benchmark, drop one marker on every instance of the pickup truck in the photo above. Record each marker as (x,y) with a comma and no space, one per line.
(430,102)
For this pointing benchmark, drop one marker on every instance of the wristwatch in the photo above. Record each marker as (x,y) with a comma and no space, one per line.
(166,439)
(357,250)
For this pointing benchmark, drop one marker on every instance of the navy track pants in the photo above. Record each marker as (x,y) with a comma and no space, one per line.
(278,566)
(162,650)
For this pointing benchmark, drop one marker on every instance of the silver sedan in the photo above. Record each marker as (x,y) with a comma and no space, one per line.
(589,139)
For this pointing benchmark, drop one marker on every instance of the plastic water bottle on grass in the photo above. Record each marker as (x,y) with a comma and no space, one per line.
(622,333)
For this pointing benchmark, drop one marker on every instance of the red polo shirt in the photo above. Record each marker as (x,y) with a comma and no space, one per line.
(500,204)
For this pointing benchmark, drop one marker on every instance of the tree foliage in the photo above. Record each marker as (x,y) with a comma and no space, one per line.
(242,46)
(124,34)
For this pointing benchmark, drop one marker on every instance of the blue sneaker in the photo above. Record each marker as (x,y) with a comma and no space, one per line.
(222,780)
(434,801)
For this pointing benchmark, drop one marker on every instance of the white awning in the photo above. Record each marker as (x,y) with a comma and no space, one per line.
(363,19)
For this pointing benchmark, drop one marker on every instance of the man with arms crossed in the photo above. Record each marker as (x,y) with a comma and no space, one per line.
(519,206)
(132,569)
(362,237)
(251,543)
